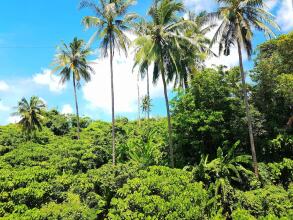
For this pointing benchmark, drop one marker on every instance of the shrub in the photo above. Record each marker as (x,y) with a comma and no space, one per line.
(72,209)
(269,200)
(277,173)
(160,193)
(241,214)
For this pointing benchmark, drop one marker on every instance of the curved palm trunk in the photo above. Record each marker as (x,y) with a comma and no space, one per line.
(251,138)
(169,121)
(113,107)
(148,91)
(76,107)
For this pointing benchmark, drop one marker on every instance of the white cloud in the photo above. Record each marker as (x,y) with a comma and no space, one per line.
(46,78)
(98,91)
(3,86)
(229,61)
(67,109)
(13,119)
(285,15)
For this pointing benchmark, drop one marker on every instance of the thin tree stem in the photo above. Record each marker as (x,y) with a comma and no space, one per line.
(76,107)
(169,121)
(138,100)
(247,108)
(148,92)
(113,107)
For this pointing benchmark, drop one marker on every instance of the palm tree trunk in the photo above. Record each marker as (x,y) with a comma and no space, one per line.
(113,107)
(251,138)
(76,107)
(148,91)
(185,82)
(169,121)
(138,100)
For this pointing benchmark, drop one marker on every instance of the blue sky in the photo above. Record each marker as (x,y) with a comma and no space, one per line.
(29,33)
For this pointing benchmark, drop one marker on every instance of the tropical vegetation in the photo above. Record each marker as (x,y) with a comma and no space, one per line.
(199,162)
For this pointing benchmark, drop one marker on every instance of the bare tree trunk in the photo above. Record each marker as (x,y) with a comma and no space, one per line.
(138,100)
(76,107)
(148,92)
(113,107)
(249,121)
(169,121)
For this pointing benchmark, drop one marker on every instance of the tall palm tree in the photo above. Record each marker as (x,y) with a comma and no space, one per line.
(160,44)
(31,115)
(238,17)
(111,21)
(141,59)
(71,60)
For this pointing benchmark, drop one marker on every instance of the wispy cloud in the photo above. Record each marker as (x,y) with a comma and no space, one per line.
(285,15)
(46,78)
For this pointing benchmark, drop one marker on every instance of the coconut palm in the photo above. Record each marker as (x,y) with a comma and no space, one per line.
(141,58)
(160,43)
(146,105)
(71,60)
(237,18)
(31,115)
(138,100)
(192,57)
(111,20)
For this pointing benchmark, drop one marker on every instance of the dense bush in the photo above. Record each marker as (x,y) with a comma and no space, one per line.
(269,200)
(160,193)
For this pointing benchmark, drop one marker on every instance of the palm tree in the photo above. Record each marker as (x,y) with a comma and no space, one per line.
(238,17)
(144,72)
(31,115)
(141,58)
(146,105)
(111,21)
(192,57)
(159,44)
(71,60)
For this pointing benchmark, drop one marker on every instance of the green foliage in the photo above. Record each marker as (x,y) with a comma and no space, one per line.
(148,146)
(269,200)
(209,115)
(56,176)
(160,193)
(277,173)
(272,92)
(57,123)
(280,146)
(71,209)
(241,214)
